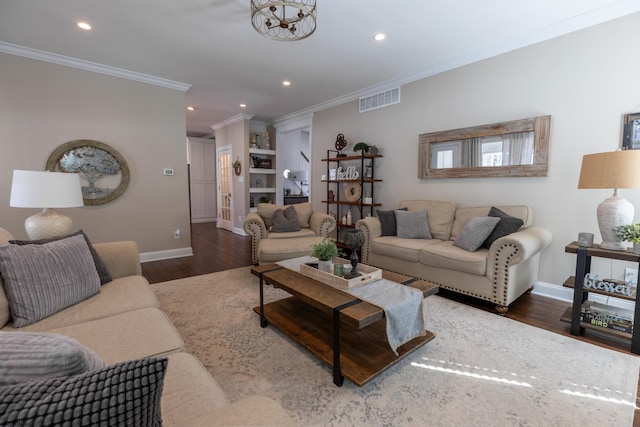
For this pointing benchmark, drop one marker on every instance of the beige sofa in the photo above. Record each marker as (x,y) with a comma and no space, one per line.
(124,322)
(269,246)
(499,274)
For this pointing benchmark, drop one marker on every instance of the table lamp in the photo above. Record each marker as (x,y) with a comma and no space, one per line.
(47,190)
(614,169)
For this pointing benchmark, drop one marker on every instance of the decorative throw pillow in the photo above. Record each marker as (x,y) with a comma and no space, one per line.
(508,224)
(475,232)
(388,222)
(412,224)
(41,280)
(29,356)
(126,393)
(105,277)
(285,220)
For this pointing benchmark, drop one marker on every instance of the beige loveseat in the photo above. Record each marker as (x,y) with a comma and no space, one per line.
(499,274)
(124,322)
(270,246)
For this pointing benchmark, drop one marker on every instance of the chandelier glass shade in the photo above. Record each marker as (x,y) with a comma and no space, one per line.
(287,20)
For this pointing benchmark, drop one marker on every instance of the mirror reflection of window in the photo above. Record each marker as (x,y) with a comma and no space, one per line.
(488,151)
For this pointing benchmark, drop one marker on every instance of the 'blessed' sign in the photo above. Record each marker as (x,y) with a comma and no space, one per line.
(614,287)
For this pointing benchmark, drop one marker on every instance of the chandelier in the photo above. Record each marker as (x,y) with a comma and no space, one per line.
(286,20)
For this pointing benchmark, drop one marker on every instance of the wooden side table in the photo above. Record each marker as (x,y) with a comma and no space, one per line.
(580,295)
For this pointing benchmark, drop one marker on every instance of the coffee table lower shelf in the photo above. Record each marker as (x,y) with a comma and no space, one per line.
(364,353)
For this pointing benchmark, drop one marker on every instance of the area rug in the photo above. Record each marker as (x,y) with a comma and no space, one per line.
(480,370)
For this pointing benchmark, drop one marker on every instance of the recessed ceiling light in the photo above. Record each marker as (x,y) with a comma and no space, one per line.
(379,37)
(84,25)
(190,108)
(243,105)
(286,83)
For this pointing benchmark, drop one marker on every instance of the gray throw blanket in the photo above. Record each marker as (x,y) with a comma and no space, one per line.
(402,304)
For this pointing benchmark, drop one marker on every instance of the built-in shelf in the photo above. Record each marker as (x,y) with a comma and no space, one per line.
(262,151)
(261,170)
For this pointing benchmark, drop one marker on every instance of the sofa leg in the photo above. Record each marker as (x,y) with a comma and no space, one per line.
(502,309)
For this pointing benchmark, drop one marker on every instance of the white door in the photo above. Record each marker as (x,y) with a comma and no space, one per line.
(225,184)
(203,181)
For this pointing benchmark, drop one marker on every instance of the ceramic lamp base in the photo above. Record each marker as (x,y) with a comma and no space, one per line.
(47,224)
(613,212)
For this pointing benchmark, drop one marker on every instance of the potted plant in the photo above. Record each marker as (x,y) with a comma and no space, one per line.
(325,251)
(629,233)
(237,167)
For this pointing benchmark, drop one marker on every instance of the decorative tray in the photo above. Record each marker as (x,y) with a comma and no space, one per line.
(368,275)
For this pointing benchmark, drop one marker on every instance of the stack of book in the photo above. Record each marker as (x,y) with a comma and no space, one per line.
(607,316)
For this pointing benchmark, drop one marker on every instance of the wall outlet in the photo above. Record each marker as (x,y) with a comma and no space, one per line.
(176,233)
(631,275)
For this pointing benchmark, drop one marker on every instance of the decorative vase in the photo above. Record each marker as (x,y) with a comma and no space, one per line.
(326,266)
(636,248)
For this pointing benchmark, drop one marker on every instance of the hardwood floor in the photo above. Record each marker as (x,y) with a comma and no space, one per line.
(218,250)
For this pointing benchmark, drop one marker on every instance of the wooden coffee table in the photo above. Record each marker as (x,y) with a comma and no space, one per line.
(358,350)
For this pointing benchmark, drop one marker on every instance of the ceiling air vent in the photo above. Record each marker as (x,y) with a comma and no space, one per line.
(382,99)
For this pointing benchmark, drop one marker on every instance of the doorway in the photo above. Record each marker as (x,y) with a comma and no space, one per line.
(225,186)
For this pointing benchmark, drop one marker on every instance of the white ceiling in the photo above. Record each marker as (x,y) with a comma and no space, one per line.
(211,45)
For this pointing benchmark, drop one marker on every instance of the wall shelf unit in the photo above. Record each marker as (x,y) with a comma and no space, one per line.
(350,193)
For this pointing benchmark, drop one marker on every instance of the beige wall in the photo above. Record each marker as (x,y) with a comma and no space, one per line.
(43,105)
(586,81)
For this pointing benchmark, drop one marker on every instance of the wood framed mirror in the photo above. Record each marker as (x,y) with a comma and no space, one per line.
(518,148)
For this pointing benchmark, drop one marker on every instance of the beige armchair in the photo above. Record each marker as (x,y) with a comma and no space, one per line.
(269,246)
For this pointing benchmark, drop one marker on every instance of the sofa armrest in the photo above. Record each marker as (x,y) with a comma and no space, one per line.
(520,246)
(321,223)
(121,258)
(371,228)
(255,227)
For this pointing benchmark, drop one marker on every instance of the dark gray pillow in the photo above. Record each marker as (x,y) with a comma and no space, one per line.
(388,222)
(285,220)
(508,224)
(41,280)
(475,232)
(105,277)
(28,356)
(412,224)
(126,393)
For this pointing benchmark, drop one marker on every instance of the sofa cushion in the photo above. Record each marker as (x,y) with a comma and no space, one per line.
(41,280)
(105,277)
(508,224)
(5,315)
(476,232)
(462,215)
(445,255)
(119,296)
(285,220)
(303,232)
(404,249)
(303,210)
(28,356)
(412,224)
(127,393)
(388,222)
(114,340)
(439,215)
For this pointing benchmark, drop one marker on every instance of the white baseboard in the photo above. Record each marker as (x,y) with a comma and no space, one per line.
(566,294)
(206,219)
(168,254)
(239,231)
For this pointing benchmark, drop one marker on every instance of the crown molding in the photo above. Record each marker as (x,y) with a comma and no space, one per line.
(616,10)
(67,61)
(231,120)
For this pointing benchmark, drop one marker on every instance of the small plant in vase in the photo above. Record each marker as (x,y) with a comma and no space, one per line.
(629,233)
(325,251)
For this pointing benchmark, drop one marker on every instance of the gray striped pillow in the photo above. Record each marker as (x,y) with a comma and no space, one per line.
(475,232)
(41,280)
(29,356)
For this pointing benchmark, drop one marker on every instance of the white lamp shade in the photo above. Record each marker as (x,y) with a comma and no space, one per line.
(37,189)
